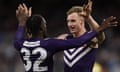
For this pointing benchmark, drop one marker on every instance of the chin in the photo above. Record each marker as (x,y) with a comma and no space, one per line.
(73,32)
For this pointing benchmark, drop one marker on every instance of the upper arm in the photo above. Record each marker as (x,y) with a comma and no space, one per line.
(101,37)
(94,43)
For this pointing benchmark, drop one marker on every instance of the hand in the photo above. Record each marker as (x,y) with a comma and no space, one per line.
(107,23)
(88,8)
(22,13)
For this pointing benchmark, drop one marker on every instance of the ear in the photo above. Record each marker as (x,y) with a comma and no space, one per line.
(29,35)
(28,31)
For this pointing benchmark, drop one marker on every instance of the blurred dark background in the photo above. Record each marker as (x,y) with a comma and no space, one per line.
(54,12)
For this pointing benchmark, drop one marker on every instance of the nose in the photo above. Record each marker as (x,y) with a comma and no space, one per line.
(69,23)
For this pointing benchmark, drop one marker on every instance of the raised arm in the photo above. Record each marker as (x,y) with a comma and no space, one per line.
(22,13)
(90,20)
(93,25)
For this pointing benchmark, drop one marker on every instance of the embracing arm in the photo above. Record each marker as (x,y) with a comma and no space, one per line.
(93,25)
(61,44)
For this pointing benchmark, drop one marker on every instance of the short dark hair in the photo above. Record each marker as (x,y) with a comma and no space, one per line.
(36,24)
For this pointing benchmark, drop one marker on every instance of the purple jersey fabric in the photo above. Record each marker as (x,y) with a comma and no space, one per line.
(80,59)
(37,54)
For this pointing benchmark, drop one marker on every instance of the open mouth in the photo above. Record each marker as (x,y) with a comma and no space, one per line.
(72,27)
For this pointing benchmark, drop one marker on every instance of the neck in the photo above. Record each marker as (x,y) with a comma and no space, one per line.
(32,36)
(78,34)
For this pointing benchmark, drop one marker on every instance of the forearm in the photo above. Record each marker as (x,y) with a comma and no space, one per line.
(86,37)
(94,25)
(19,33)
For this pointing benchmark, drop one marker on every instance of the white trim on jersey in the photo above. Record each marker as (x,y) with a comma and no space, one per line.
(71,50)
(70,64)
(74,54)
(31,44)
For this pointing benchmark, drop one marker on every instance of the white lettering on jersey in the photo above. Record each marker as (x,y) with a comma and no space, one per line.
(40,59)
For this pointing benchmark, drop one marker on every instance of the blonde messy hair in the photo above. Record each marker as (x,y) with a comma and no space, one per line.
(76,9)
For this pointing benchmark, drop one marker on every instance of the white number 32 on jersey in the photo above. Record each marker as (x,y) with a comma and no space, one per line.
(37,62)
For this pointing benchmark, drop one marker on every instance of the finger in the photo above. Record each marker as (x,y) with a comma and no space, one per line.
(104,19)
(21,7)
(25,8)
(111,18)
(90,4)
(87,7)
(24,5)
(113,23)
(17,12)
(84,6)
(89,0)
(30,11)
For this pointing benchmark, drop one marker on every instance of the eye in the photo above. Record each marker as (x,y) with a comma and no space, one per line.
(72,20)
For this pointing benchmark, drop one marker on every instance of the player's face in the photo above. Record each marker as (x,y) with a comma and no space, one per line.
(75,22)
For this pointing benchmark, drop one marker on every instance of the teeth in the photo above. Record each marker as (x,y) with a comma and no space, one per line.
(72,27)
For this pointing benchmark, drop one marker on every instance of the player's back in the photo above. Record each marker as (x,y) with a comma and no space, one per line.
(35,55)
